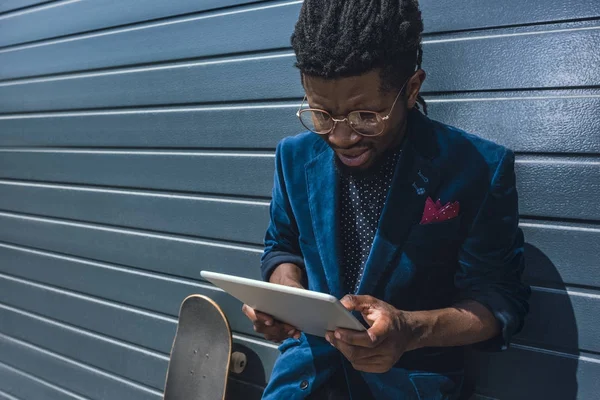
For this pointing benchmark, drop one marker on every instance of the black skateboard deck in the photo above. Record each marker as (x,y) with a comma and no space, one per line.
(201,353)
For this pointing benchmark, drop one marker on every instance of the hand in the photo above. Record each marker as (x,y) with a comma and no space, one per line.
(275,331)
(381,346)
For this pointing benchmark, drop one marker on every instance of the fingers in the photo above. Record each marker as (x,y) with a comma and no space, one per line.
(355,338)
(352,353)
(377,349)
(264,319)
(364,359)
(357,303)
(375,365)
(265,324)
(269,321)
(291,331)
(257,318)
(379,330)
(349,301)
(278,332)
(250,313)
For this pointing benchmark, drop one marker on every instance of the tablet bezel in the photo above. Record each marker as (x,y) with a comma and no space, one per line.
(255,294)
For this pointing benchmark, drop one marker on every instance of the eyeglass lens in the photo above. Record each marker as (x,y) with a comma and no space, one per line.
(366,123)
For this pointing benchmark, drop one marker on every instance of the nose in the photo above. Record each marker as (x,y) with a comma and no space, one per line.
(343,136)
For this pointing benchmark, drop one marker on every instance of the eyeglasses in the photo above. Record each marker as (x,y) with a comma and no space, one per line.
(363,122)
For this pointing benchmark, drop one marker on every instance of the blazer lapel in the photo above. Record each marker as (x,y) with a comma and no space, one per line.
(415,178)
(323,188)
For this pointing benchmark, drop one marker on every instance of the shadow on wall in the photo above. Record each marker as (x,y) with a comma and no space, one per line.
(524,371)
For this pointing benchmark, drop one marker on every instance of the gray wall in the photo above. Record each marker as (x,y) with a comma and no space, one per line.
(136,149)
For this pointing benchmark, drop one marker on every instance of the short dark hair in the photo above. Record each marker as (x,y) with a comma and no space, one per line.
(342,38)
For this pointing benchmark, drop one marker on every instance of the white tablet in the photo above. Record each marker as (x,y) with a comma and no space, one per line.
(311,312)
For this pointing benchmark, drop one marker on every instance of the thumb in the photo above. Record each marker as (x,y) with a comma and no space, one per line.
(349,302)
(357,303)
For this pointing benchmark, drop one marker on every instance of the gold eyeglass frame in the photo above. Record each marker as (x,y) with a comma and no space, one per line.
(384,119)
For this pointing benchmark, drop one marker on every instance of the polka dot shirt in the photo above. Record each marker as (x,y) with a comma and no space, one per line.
(362,199)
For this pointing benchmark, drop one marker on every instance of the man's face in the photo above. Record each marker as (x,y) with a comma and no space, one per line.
(340,96)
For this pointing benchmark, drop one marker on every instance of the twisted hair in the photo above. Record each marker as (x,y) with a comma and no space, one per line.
(342,38)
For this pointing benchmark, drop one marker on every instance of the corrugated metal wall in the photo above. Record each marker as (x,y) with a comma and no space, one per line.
(136,148)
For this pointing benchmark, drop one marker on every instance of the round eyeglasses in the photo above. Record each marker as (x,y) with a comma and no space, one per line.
(363,122)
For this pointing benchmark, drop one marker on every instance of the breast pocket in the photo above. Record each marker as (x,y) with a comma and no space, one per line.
(434,244)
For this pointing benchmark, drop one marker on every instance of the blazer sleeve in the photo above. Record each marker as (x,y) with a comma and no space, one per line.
(281,238)
(491,259)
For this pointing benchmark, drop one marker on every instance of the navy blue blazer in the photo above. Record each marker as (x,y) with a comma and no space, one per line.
(478,255)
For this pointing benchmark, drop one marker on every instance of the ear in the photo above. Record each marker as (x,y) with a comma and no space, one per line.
(413,87)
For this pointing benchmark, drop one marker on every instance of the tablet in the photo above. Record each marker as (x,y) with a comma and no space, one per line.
(311,312)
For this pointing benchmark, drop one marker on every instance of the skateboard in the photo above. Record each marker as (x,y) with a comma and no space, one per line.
(201,356)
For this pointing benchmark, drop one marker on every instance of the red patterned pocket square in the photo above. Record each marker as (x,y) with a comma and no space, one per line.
(435,212)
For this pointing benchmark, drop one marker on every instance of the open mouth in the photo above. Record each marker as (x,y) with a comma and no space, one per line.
(355,159)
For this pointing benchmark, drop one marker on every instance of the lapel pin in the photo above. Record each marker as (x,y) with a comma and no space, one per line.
(425,179)
(420,191)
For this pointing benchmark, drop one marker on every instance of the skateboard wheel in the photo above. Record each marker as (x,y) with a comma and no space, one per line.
(238,362)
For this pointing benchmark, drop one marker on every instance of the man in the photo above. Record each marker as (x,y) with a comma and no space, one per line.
(412,223)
